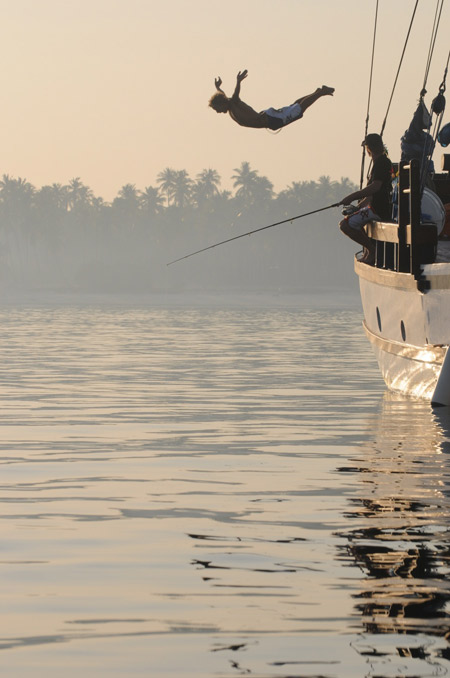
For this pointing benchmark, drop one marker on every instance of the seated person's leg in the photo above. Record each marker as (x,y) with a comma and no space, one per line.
(353,227)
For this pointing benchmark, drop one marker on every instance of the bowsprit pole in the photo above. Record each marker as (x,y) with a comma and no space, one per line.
(256,230)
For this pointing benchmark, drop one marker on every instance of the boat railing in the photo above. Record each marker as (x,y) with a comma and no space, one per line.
(404,246)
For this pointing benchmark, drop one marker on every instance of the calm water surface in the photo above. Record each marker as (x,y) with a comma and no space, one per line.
(201,491)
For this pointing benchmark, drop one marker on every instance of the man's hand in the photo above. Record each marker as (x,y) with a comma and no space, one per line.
(241,75)
(218,82)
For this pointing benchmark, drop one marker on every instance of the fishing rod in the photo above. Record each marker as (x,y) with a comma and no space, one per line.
(256,230)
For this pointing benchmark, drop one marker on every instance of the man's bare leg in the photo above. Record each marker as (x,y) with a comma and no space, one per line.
(306,101)
(361,237)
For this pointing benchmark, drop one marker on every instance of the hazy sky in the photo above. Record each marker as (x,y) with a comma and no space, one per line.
(114,91)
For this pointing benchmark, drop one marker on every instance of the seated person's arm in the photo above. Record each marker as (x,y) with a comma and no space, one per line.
(363,194)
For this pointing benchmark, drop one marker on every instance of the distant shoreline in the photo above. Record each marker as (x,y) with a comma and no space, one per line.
(319,298)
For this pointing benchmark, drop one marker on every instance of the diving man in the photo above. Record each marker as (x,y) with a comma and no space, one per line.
(270,118)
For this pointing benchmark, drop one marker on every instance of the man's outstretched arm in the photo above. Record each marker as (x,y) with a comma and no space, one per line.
(239,78)
(218,84)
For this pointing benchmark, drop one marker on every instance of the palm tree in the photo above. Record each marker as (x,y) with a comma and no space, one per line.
(182,189)
(244,180)
(98,203)
(60,196)
(126,205)
(15,190)
(128,194)
(16,209)
(326,190)
(262,189)
(78,194)
(53,198)
(151,200)
(206,186)
(346,186)
(166,180)
(252,188)
(302,191)
(223,196)
(45,203)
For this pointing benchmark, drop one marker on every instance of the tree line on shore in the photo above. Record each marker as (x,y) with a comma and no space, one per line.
(63,237)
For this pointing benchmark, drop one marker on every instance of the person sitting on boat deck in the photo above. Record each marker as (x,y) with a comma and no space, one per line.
(271,118)
(374,200)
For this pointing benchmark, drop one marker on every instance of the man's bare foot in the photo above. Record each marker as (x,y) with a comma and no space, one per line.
(327,90)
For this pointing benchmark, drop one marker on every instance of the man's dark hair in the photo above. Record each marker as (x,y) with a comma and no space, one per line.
(219,101)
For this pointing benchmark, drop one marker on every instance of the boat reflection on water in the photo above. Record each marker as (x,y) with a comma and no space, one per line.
(401,540)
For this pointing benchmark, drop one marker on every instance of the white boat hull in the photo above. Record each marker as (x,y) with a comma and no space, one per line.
(409,330)
(416,371)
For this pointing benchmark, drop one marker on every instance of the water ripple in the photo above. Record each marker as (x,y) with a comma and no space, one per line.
(223,491)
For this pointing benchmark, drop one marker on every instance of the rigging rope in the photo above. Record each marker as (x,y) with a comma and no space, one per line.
(437,107)
(369,95)
(399,67)
(443,83)
(256,230)
(437,19)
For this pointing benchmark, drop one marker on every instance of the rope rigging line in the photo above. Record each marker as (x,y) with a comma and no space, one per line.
(437,107)
(399,67)
(369,95)
(437,19)
(256,230)
(443,83)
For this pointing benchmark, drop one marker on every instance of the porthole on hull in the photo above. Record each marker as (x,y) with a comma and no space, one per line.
(378,318)
(402,330)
